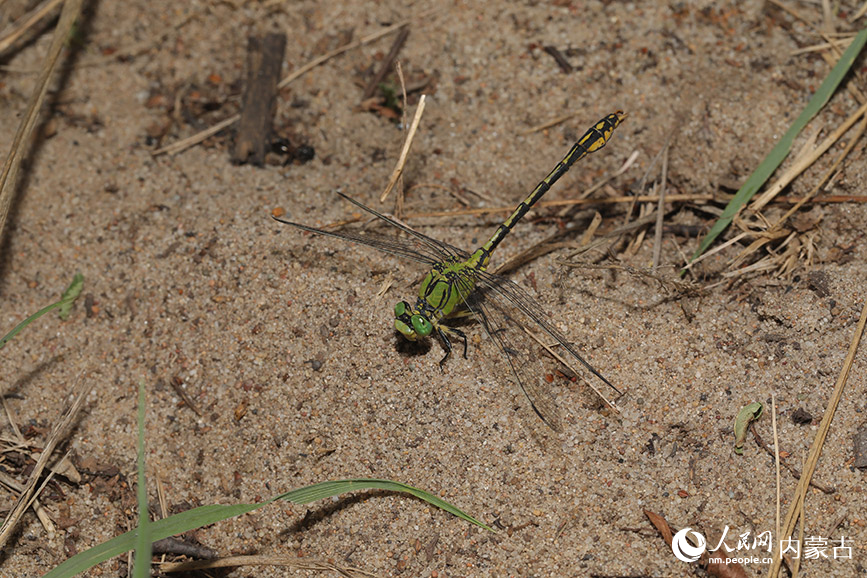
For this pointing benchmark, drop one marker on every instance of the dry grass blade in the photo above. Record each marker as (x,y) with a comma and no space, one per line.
(401,194)
(13,423)
(797,503)
(781,150)
(776,460)
(64,466)
(660,209)
(715,250)
(386,64)
(24,23)
(59,432)
(551,243)
(802,163)
(351,46)
(20,143)
(567,203)
(608,238)
(404,153)
(859,132)
(763,238)
(840,44)
(549,124)
(40,511)
(792,469)
(672,287)
(186,143)
(288,561)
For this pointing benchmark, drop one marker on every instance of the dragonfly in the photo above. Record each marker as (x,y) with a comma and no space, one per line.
(459,287)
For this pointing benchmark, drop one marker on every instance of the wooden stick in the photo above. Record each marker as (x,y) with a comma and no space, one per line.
(386,64)
(264,59)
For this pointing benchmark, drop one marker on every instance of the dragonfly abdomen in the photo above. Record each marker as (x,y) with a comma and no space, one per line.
(592,140)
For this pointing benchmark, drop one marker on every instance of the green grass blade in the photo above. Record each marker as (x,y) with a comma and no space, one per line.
(779,152)
(177,524)
(206,515)
(328,489)
(142,567)
(65,304)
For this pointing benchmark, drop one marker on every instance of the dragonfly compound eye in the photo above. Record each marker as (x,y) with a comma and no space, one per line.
(401,309)
(403,321)
(421,325)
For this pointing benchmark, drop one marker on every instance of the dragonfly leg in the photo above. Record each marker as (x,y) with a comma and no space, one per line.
(463,336)
(447,345)
(444,333)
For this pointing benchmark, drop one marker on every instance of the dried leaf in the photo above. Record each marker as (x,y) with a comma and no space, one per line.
(661,526)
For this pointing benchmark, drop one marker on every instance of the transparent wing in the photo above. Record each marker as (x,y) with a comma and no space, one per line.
(507,290)
(519,350)
(435,244)
(507,312)
(418,247)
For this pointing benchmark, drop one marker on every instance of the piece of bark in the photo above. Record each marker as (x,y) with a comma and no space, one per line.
(264,60)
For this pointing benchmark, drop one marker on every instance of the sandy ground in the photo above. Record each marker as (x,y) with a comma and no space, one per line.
(286,348)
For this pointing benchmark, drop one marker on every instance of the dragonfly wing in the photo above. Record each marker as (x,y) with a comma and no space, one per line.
(409,249)
(436,245)
(519,350)
(418,247)
(528,310)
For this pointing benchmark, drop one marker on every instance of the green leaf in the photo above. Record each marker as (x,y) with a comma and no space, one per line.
(779,152)
(328,489)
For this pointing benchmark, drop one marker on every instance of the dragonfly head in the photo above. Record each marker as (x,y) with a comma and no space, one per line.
(412,324)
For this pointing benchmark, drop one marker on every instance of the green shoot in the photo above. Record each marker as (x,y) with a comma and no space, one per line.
(65,305)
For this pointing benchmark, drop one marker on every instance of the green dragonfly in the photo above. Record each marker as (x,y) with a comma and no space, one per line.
(459,286)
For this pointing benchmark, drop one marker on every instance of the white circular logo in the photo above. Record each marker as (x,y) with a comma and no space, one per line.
(685,551)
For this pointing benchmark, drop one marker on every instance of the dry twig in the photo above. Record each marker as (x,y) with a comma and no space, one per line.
(57,435)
